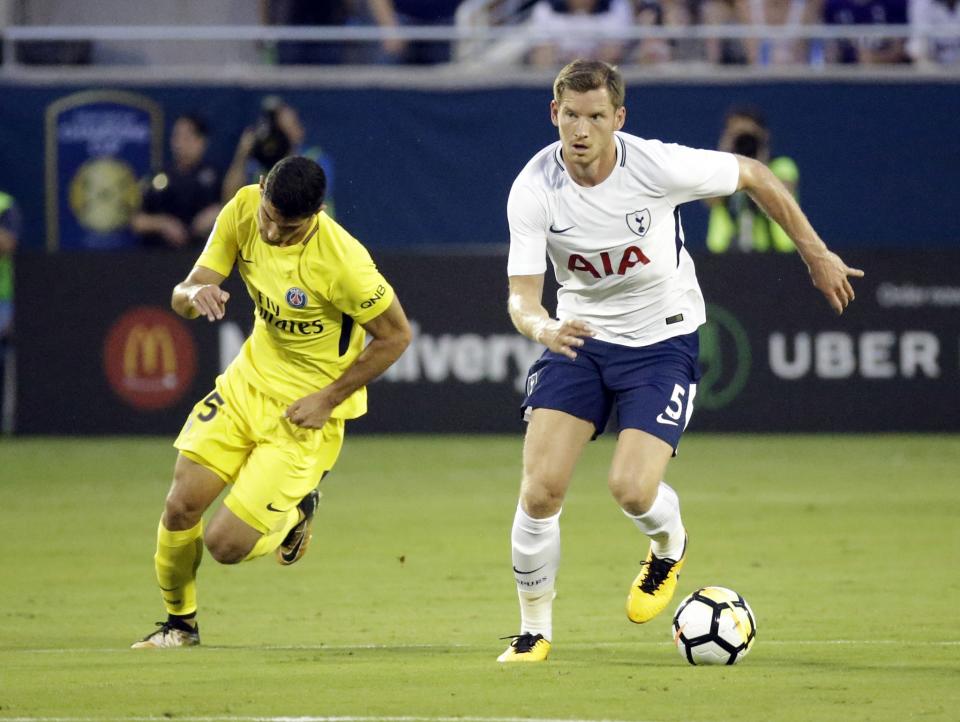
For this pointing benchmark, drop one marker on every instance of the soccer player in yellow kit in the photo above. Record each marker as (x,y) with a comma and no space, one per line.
(274,423)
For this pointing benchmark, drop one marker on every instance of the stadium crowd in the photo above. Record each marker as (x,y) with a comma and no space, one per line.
(763,32)
(589,28)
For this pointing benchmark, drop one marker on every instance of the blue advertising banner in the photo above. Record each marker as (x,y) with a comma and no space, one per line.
(421,167)
(99,145)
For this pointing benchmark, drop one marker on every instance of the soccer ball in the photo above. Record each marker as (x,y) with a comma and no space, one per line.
(714,625)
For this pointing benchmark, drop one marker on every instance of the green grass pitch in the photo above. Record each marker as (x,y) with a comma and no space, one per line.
(846,547)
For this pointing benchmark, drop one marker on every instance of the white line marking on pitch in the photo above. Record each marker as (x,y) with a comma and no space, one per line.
(572,645)
(303,719)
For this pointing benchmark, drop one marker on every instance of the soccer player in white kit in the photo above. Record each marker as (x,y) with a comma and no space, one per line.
(604,206)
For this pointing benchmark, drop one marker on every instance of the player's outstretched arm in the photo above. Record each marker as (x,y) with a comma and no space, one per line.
(530,318)
(391,334)
(199,294)
(830,275)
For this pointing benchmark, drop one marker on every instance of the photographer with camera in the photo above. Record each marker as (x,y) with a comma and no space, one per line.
(278,133)
(736,223)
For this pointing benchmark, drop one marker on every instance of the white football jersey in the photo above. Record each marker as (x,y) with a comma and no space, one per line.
(617,248)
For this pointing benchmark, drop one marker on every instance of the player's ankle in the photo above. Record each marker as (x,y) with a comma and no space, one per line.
(186,622)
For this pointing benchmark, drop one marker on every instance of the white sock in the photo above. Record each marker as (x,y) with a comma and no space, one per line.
(536,613)
(536,559)
(662,523)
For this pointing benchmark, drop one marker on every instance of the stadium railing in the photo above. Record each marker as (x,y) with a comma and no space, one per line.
(491,53)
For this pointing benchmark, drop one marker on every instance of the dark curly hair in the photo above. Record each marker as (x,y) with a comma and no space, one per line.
(296,187)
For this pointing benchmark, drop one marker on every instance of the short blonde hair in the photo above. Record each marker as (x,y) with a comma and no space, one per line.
(581,76)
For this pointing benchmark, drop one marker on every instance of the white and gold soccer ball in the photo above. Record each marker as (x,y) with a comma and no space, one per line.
(714,625)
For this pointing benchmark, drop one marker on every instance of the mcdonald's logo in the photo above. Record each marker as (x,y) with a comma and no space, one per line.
(149,358)
(149,349)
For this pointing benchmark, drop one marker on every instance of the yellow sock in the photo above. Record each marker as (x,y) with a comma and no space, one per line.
(271,540)
(176,561)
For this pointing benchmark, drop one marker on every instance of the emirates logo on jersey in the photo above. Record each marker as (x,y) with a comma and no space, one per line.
(639,222)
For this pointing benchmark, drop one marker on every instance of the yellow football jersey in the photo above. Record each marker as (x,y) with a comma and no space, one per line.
(309,299)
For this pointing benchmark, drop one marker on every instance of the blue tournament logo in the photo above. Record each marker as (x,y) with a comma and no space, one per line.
(99,143)
(296,297)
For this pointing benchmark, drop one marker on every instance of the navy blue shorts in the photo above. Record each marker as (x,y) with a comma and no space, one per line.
(651,387)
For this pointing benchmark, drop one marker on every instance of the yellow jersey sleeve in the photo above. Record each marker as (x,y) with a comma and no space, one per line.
(220,253)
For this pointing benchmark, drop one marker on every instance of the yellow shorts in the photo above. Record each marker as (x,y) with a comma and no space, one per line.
(241,435)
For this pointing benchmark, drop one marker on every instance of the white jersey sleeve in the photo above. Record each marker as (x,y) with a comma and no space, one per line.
(686,174)
(527,216)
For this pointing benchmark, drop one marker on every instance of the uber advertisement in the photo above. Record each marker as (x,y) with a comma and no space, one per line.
(774,357)
(99,351)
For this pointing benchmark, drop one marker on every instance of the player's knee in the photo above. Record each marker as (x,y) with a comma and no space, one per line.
(179,513)
(540,499)
(186,500)
(634,492)
(224,550)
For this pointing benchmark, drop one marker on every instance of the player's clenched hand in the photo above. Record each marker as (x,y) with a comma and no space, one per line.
(830,276)
(209,300)
(310,412)
(563,336)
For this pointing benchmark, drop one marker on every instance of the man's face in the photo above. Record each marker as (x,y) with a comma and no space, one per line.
(186,144)
(275,230)
(586,122)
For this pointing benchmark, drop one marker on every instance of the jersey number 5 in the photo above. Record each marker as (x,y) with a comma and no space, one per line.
(674,408)
(677,398)
(213,402)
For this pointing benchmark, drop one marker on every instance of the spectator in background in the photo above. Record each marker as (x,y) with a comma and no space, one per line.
(181,202)
(657,13)
(866,12)
(712,13)
(308,13)
(277,134)
(9,235)
(724,51)
(736,223)
(779,13)
(403,13)
(580,29)
(935,15)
